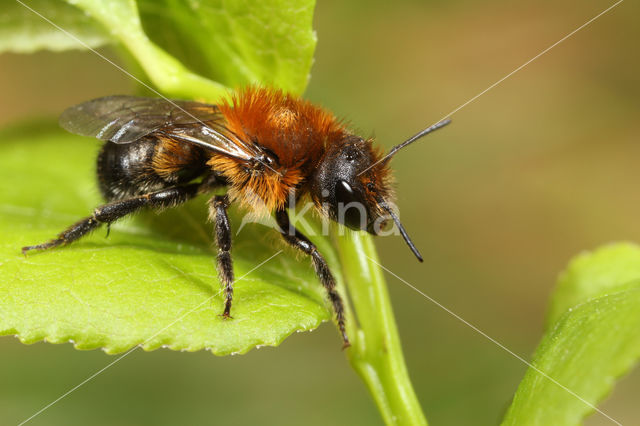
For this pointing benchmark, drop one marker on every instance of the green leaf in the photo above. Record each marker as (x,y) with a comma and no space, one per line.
(197,48)
(124,291)
(130,288)
(23,31)
(237,42)
(193,50)
(591,275)
(121,19)
(590,345)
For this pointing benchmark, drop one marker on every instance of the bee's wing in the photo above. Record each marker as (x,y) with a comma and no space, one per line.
(125,119)
(214,136)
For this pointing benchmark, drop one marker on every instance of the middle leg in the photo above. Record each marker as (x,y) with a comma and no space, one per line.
(218,206)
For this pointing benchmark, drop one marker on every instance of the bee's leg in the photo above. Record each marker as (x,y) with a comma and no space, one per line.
(299,241)
(111,212)
(218,206)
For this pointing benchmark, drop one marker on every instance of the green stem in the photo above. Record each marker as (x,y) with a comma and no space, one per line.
(376,353)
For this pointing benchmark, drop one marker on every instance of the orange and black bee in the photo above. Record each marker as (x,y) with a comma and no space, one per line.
(266,147)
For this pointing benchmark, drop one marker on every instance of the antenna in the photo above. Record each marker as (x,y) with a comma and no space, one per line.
(396,219)
(414,138)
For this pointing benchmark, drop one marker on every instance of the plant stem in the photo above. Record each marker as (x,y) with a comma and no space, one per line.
(376,353)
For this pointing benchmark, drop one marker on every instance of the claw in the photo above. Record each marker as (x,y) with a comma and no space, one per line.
(225,316)
(346,343)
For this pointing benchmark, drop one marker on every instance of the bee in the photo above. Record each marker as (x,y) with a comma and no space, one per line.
(264,146)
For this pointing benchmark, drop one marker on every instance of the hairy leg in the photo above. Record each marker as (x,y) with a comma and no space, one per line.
(111,212)
(218,206)
(296,239)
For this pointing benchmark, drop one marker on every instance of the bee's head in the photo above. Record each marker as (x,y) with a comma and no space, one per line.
(352,185)
(347,195)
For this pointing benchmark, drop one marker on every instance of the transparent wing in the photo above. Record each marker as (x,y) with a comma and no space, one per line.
(220,141)
(125,119)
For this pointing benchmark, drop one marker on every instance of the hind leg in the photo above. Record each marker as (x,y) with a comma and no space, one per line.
(108,213)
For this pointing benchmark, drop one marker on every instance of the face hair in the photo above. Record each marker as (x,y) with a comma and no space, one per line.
(414,138)
(395,218)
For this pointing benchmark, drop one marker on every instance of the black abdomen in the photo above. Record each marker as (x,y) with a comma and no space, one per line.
(127,170)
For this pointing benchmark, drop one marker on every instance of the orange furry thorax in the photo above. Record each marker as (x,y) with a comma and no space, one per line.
(294,130)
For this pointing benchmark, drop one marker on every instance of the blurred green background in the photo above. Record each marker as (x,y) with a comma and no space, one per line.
(538,169)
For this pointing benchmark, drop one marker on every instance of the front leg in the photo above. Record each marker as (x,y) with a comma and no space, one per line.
(218,206)
(295,238)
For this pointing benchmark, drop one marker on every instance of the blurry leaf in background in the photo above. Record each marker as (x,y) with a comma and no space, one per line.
(22,31)
(593,343)
(116,293)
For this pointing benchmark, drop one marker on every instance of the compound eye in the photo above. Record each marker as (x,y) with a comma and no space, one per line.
(351,210)
(344,192)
